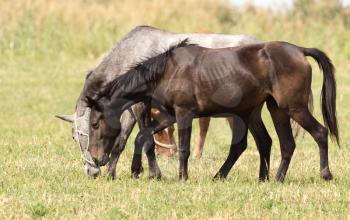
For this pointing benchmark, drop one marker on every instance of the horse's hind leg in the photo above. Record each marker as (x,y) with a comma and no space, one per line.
(138,111)
(203,129)
(184,120)
(238,146)
(263,142)
(285,135)
(320,135)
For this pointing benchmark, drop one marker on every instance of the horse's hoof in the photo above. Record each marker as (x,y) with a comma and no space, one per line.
(156,174)
(264,179)
(135,175)
(183,178)
(135,172)
(219,176)
(326,174)
(197,156)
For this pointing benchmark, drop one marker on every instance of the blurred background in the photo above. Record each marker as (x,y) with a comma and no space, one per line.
(86,28)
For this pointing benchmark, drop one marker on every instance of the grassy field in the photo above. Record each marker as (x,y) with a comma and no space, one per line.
(46,47)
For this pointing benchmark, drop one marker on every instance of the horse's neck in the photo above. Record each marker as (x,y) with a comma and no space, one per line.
(123,98)
(120,105)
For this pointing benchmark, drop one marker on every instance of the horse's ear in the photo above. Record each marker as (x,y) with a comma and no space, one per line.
(67,118)
(93,103)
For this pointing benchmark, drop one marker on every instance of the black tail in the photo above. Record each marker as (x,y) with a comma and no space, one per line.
(328,96)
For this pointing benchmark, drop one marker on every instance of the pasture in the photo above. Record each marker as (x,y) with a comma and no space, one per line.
(46,48)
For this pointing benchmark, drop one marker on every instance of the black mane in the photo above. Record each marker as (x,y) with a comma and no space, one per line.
(143,72)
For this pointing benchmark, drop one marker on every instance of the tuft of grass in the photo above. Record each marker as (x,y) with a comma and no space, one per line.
(116,213)
(38,210)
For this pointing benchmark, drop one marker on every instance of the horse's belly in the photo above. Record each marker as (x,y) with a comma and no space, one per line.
(220,110)
(229,96)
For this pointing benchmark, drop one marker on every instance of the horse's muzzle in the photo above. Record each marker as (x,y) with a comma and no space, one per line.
(92,171)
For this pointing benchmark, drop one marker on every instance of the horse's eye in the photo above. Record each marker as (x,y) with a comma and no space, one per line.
(94,125)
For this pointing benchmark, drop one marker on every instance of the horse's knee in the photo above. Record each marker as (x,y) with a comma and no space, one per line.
(184,154)
(139,138)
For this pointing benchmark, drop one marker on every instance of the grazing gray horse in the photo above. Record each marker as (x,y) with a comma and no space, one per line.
(138,44)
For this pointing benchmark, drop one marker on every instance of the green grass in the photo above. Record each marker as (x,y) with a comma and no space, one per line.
(41,174)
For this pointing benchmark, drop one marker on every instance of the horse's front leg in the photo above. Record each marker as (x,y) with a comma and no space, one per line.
(139,112)
(144,140)
(127,124)
(184,123)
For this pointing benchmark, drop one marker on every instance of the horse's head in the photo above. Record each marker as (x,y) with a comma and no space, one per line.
(94,135)
(103,132)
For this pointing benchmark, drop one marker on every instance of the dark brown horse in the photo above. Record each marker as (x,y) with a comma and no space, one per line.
(189,81)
